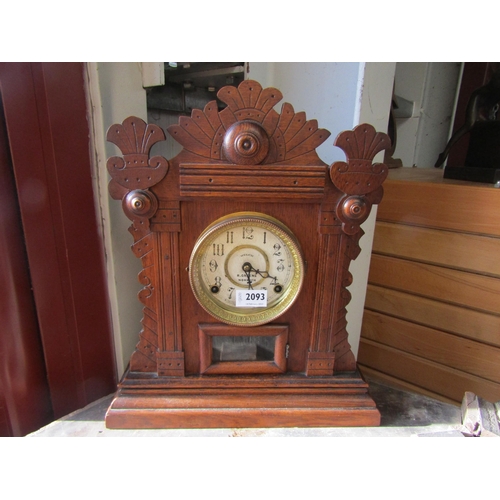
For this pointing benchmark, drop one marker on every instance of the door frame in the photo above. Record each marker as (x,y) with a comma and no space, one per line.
(45,108)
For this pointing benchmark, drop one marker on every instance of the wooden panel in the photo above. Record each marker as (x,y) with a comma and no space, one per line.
(345,405)
(444,348)
(447,248)
(448,285)
(422,197)
(254,399)
(196,216)
(130,418)
(466,322)
(343,383)
(449,382)
(237,181)
(432,311)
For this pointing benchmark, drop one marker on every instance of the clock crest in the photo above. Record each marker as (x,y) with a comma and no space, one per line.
(245,238)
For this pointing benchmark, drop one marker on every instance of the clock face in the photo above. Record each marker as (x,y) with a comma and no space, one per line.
(246,269)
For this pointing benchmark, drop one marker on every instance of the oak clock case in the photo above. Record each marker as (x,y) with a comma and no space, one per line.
(235,331)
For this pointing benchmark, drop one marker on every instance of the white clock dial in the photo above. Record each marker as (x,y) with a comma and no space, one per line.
(250,253)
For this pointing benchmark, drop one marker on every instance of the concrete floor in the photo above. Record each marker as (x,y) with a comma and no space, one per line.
(403,414)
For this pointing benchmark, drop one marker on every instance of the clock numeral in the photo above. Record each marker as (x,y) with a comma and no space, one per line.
(277,248)
(229,237)
(213,266)
(230,290)
(265,235)
(248,233)
(218,249)
(280,268)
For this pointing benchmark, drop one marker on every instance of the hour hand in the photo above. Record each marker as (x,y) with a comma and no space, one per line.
(247,269)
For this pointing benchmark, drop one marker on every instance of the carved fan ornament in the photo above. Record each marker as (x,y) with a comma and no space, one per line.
(135,139)
(359,176)
(246,153)
(248,131)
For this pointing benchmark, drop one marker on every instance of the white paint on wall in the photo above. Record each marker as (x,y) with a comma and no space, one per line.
(116,92)
(326,91)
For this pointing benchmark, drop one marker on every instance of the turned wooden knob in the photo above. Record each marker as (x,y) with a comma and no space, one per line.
(246,143)
(355,208)
(140,203)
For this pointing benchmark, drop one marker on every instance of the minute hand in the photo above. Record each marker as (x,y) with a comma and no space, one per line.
(265,275)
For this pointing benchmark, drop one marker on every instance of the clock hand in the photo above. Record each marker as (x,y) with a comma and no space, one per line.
(248,268)
(265,274)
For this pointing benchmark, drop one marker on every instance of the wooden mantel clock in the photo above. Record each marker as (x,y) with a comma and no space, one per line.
(245,238)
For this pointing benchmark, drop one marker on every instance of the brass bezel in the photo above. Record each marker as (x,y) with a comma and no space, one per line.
(249,316)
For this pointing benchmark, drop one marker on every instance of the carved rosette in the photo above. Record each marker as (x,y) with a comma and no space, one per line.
(249,131)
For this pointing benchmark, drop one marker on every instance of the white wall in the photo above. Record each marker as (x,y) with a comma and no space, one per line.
(327,92)
(116,92)
(374,106)
(338,95)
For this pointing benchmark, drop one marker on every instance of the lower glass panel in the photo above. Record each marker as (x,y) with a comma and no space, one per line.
(238,348)
(230,350)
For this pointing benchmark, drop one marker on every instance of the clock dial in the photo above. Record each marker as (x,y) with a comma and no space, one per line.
(246,269)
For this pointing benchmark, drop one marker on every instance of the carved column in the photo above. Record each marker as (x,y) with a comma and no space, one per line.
(340,231)
(160,345)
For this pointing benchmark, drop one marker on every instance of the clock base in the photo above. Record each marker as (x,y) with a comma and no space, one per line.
(291,401)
